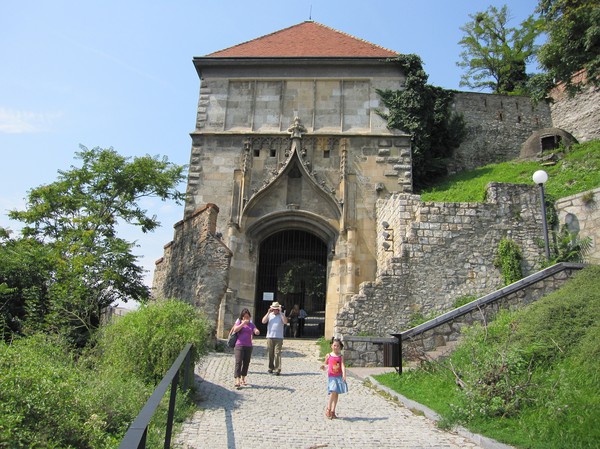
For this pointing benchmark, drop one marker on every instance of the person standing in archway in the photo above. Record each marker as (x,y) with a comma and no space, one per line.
(294,319)
(301,321)
(275,321)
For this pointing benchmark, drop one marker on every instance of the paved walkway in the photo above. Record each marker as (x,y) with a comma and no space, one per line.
(287,411)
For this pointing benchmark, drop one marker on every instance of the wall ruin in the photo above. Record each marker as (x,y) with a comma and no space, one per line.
(497,126)
(195,265)
(441,252)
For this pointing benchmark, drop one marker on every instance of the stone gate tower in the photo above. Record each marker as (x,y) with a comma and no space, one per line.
(290,147)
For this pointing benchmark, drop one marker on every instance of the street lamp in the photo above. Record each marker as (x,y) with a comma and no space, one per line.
(540,177)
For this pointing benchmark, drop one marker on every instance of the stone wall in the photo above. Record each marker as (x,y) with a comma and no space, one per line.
(447,327)
(369,351)
(365,351)
(441,252)
(581,214)
(497,126)
(195,265)
(580,115)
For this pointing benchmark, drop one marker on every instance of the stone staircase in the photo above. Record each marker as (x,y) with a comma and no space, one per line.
(437,337)
(438,354)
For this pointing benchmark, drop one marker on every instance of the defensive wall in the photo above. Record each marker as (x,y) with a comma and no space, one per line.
(579,114)
(440,252)
(195,265)
(445,251)
(496,127)
(446,328)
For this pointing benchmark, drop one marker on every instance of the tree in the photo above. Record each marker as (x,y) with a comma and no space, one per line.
(496,55)
(25,269)
(75,220)
(424,111)
(573,44)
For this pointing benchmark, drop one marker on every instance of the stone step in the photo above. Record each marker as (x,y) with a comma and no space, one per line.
(439,353)
(443,351)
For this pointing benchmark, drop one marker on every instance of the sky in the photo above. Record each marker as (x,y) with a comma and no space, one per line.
(119,73)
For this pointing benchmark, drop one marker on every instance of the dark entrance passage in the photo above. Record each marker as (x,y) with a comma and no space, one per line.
(292,269)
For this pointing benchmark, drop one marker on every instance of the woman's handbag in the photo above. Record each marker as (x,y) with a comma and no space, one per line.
(233,336)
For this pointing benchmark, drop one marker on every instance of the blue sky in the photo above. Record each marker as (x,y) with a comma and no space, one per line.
(119,73)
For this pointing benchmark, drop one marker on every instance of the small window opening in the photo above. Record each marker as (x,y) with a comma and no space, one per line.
(326,154)
(273,152)
(256,152)
(550,143)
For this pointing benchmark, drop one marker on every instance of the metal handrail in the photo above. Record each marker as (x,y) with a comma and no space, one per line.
(135,437)
(481,302)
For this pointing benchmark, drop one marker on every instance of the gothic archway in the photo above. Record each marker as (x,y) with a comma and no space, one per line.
(292,269)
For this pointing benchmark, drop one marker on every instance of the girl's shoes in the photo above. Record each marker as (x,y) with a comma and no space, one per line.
(327,413)
(333,415)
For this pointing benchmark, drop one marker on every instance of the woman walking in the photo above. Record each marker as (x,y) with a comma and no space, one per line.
(243,347)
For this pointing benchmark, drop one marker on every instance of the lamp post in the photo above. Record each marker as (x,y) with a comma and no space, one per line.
(540,177)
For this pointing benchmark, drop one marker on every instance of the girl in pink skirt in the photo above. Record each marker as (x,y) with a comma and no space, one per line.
(336,376)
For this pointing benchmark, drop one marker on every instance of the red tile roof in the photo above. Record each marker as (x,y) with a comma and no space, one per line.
(306,39)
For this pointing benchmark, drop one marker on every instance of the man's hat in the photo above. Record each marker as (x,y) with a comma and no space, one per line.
(275,305)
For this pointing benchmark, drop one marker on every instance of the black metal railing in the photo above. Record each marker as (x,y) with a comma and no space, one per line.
(135,437)
(482,302)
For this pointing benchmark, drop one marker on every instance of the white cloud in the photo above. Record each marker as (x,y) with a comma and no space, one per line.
(25,122)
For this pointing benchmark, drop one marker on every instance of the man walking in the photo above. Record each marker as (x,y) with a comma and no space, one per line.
(275,321)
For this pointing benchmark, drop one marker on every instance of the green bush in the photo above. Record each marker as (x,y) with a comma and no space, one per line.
(145,343)
(508,259)
(52,397)
(462,300)
(494,375)
(43,399)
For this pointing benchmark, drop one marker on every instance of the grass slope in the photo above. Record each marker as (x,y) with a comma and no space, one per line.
(531,377)
(578,170)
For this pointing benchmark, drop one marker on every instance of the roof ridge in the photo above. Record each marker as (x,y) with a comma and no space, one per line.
(349,35)
(308,38)
(257,38)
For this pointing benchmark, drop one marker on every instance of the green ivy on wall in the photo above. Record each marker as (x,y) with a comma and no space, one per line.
(508,259)
(425,112)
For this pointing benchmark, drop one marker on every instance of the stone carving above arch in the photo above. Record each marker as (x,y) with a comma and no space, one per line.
(294,184)
(296,129)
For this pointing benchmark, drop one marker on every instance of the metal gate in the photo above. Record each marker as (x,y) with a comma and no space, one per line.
(292,269)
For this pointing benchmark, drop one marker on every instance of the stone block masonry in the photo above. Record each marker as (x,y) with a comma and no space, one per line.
(581,214)
(580,114)
(441,252)
(447,328)
(195,265)
(497,126)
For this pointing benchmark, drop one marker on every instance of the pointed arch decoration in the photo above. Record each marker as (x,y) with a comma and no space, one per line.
(296,159)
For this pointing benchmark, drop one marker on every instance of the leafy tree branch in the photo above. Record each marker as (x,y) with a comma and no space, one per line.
(77,263)
(424,112)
